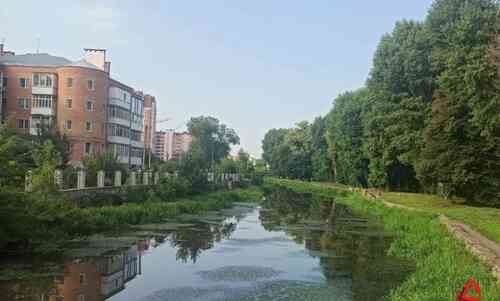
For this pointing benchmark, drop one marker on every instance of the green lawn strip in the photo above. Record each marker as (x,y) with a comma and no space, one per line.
(483,219)
(443,264)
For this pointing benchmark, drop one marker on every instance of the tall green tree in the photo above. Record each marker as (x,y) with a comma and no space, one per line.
(400,85)
(462,149)
(321,164)
(214,138)
(16,157)
(345,138)
(273,151)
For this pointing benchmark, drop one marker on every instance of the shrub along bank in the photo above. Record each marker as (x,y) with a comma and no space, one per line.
(27,222)
(443,264)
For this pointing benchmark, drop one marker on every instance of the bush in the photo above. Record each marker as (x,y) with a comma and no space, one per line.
(173,187)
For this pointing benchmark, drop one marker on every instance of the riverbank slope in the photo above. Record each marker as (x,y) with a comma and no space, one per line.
(40,226)
(443,264)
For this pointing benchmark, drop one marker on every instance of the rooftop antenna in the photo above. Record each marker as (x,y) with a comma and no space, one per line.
(37,44)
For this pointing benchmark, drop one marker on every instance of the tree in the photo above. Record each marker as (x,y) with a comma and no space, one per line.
(245,163)
(400,86)
(213,138)
(16,157)
(60,142)
(105,161)
(345,138)
(272,146)
(462,149)
(46,158)
(321,164)
(288,151)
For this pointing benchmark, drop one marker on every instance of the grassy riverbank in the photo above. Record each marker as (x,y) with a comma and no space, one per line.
(442,263)
(38,225)
(485,220)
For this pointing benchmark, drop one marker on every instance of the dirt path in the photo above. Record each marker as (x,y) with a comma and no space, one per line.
(485,249)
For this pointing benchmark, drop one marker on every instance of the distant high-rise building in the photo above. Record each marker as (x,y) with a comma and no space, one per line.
(170,145)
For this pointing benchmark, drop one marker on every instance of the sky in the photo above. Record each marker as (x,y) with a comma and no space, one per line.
(255,65)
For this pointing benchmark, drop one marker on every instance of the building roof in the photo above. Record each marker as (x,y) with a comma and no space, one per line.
(84,64)
(34,59)
(43,60)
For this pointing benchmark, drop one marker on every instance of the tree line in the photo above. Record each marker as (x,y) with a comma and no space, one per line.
(427,119)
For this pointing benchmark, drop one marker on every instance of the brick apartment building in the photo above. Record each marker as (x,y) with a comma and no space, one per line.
(170,145)
(80,99)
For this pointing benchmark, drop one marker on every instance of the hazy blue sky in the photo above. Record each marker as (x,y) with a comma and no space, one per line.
(254,64)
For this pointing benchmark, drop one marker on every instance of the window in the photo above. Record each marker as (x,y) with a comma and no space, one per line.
(23,82)
(89,105)
(88,148)
(88,126)
(120,149)
(69,82)
(135,135)
(68,103)
(118,130)
(42,101)
(23,124)
(42,80)
(91,84)
(83,278)
(68,124)
(118,112)
(136,152)
(23,103)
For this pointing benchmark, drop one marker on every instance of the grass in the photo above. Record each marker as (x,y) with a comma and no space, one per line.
(483,219)
(442,263)
(42,226)
(112,217)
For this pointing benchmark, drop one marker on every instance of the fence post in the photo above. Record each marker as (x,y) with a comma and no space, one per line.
(80,179)
(118,178)
(132,178)
(58,178)
(145,178)
(157,178)
(28,181)
(100,178)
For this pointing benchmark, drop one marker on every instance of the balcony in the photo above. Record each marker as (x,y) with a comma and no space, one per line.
(118,102)
(38,123)
(136,161)
(119,121)
(122,159)
(44,90)
(137,144)
(119,140)
(44,84)
(45,111)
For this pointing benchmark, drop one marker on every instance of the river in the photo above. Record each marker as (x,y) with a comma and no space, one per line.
(290,247)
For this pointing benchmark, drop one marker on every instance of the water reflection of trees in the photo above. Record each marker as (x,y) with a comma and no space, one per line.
(348,247)
(191,242)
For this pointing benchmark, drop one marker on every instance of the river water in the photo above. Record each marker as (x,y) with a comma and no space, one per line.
(291,247)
